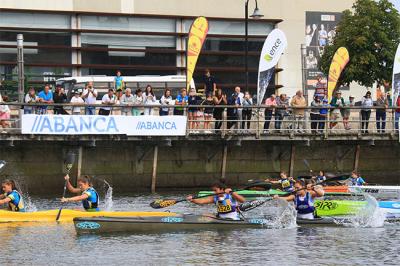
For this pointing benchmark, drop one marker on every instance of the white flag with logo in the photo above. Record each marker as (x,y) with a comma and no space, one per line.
(396,77)
(272,50)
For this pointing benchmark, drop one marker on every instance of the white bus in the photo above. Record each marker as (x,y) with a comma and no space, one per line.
(103,83)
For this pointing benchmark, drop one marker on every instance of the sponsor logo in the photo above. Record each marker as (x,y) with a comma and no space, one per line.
(171,220)
(152,125)
(268,58)
(88,225)
(326,205)
(72,124)
(257,221)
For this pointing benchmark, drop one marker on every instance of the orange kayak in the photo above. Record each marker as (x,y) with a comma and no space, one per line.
(336,189)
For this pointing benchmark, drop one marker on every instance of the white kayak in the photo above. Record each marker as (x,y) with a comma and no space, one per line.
(379,192)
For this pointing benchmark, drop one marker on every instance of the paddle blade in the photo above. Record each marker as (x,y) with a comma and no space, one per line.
(249,205)
(2,164)
(59,214)
(69,161)
(159,204)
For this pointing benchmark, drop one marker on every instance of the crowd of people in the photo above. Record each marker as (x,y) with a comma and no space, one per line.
(207,112)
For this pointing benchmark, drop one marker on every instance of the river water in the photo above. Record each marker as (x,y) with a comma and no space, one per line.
(58,244)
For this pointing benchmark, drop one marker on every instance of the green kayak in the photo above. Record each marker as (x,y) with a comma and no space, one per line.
(338,207)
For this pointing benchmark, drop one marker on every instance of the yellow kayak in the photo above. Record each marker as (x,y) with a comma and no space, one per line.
(69,215)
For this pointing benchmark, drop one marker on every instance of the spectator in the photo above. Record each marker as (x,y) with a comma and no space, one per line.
(127,100)
(89,95)
(270,104)
(323,115)
(119,83)
(247,111)
(30,97)
(4,114)
(45,96)
(366,104)
(59,97)
(210,85)
(208,112)
(320,89)
(181,100)
(397,113)
(282,103)
(381,103)
(166,99)
(108,99)
(118,96)
(149,99)
(299,102)
(337,102)
(219,99)
(138,100)
(346,112)
(314,114)
(232,111)
(77,100)
(193,99)
(239,103)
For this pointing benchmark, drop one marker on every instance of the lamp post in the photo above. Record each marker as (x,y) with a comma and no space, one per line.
(21,74)
(256,15)
(303,49)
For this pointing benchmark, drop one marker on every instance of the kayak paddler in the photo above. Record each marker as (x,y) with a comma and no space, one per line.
(225,200)
(89,197)
(356,179)
(304,199)
(11,196)
(285,181)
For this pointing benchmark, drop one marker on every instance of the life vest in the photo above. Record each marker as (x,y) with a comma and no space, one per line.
(287,185)
(304,206)
(321,179)
(16,204)
(92,202)
(227,205)
(356,181)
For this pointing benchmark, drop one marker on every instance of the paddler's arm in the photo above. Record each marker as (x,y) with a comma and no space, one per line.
(4,201)
(76,198)
(207,200)
(235,195)
(70,187)
(317,191)
(287,198)
(2,196)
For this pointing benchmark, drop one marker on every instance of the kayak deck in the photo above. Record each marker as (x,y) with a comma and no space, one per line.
(68,215)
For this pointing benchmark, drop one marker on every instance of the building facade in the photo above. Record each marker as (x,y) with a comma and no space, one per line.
(148,37)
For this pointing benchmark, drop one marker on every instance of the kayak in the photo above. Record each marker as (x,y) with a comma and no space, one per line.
(183,222)
(68,215)
(341,189)
(387,192)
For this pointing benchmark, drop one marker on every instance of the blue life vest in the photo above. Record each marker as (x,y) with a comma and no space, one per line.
(359,181)
(287,185)
(304,206)
(92,202)
(16,204)
(321,179)
(227,205)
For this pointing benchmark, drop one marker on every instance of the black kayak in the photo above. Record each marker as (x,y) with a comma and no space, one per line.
(180,222)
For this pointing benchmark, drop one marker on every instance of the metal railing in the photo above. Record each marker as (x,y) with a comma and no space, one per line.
(255,121)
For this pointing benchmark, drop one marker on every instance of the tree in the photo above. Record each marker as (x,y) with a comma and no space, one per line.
(371,34)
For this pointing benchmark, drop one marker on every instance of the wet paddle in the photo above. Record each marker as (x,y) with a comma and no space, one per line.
(68,163)
(158,204)
(2,164)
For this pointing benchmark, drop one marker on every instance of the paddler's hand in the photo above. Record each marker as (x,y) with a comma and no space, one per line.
(309,186)
(189,198)
(275,197)
(228,190)
(66,177)
(64,200)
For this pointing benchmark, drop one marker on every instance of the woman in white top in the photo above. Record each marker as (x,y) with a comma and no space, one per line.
(149,99)
(30,97)
(138,100)
(166,99)
(4,114)
(366,104)
(76,99)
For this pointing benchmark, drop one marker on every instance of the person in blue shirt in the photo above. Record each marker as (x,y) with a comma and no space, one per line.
(89,196)
(304,199)
(45,96)
(287,183)
(119,83)
(323,115)
(11,196)
(320,177)
(356,179)
(224,199)
(182,100)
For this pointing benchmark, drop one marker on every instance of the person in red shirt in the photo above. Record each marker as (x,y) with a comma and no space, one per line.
(320,89)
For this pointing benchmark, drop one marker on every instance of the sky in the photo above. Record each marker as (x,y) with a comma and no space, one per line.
(396,3)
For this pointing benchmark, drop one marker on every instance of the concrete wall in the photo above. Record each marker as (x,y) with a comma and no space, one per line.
(188,164)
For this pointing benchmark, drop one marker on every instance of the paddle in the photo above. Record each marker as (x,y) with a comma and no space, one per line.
(158,204)
(68,163)
(249,205)
(2,164)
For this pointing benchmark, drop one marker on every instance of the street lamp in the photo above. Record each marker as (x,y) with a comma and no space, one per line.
(303,49)
(256,15)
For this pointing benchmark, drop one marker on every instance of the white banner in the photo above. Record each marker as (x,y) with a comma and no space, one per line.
(396,77)
(104,125)
(272,50)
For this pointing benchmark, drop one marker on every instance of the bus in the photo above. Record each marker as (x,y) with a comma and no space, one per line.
(103,83)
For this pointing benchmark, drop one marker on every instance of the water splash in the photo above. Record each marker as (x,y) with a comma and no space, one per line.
(29,205)
(108,201)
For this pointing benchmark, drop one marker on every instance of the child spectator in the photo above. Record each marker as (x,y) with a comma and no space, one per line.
(119,83)
(76,100)
(323,113)
(247,111)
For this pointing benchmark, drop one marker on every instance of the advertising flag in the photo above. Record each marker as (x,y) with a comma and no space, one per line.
(396,77)
(339,62)
(272,50)
(197,35)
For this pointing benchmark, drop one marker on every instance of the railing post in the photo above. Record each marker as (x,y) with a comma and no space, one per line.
(356,158)
(292,157)
(258,123)
(154,175)
(79,166)
(223,163)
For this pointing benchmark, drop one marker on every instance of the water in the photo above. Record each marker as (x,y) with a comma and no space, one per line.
(58,244)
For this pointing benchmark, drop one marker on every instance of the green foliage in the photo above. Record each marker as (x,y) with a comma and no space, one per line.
(371,33)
